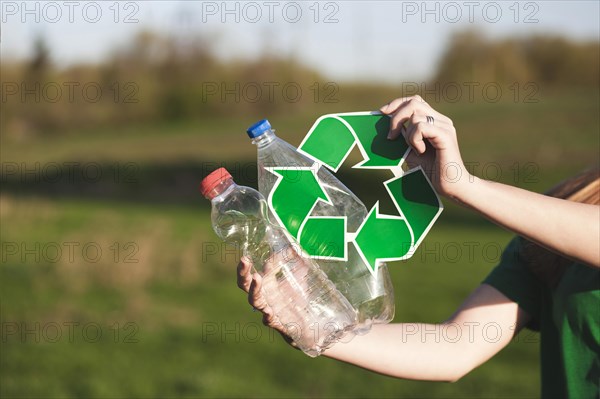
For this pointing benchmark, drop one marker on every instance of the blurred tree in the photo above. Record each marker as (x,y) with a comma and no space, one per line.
(472,58)
(38,118)
(556,61)
(40,61)
(546,60)
(154,78)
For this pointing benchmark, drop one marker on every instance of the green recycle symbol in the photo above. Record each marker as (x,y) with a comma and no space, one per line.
(380,237)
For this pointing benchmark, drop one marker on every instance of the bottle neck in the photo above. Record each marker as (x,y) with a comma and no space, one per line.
(264,139)
(221,190)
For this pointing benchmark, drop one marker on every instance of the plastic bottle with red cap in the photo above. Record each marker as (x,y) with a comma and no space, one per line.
(314,313)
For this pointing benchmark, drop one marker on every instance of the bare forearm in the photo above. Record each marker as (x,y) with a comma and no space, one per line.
(480,328)
(432,352)
(396,350)
(570,228)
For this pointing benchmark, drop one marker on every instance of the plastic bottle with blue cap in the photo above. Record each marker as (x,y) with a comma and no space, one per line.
(371,295)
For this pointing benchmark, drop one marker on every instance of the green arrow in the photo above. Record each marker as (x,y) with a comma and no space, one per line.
(319,142)
(292,199)
(368,130)
(386,237)
(383,237)
(371,131)
(414,195)
(294,195)
(324,237)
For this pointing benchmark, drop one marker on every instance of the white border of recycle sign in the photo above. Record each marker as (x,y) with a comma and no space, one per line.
(397,171)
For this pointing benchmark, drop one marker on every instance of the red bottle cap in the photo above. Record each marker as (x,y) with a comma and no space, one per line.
(213,180)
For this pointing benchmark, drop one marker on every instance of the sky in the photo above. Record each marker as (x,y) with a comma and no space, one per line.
(386,41)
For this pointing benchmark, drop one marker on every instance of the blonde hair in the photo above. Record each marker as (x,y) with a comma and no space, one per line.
(549,266)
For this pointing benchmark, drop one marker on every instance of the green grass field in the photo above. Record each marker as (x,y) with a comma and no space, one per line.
(146,303)
(174,323)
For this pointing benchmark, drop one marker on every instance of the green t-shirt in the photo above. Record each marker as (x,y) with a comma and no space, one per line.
(568,318)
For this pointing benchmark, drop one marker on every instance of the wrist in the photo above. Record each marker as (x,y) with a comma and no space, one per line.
(464,193)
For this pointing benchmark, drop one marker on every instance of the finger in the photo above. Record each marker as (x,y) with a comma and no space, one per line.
(424,108)
(393,105)
(397,128)
(416,118)
(414,138)
(274,322)
(414,106)
(244,277)
(255,297)
(270,320)
(258,301)
(403,114)
(422,131)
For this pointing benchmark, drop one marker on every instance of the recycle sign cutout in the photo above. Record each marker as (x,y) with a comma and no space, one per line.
(380,237)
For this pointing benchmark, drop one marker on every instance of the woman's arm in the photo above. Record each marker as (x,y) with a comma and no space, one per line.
(480,328)
(566,227)
(569,228)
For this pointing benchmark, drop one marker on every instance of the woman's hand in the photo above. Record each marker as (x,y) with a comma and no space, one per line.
(573,229)
(434,143)
(251,283)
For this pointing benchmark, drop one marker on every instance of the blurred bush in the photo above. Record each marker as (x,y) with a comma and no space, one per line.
(152,78)
(546,60)
(156,78)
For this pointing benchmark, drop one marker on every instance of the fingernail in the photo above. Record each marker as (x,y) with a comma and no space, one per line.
(389,136)
(382,109)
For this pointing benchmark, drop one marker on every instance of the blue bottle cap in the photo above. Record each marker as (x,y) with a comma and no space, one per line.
(258,128)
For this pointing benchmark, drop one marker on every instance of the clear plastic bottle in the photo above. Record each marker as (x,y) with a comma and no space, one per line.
(372,296)
(314,313)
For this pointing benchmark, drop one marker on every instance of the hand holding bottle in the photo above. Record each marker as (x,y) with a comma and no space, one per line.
(309,307)
(371,295)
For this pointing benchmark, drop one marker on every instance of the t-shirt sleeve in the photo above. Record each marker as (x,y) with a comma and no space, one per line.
(513,278)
